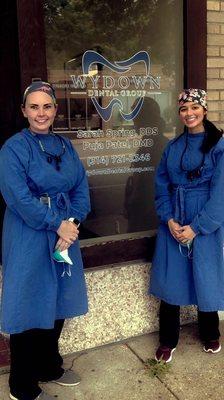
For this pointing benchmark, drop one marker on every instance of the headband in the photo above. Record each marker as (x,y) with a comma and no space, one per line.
(40,86)
(198,96)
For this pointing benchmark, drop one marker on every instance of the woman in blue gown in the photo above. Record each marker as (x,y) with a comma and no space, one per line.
(44,184)
(188,264)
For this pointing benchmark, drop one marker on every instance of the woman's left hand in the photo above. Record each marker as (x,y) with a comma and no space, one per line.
(186,234)
(62,245)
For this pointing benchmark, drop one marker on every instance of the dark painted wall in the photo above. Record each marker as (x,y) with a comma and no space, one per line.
(10,117)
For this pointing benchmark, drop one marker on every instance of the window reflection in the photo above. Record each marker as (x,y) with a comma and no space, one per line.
(139,191)
(120,155)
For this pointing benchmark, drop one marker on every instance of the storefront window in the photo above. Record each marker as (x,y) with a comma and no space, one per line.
(117,67)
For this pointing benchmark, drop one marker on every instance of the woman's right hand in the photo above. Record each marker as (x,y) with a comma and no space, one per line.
(61,245)
(68,232)
(175,228)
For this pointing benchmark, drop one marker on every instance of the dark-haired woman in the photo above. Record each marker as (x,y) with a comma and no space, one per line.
(44,184)
(188,264)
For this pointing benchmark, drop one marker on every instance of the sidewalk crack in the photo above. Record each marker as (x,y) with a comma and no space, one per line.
(159,379)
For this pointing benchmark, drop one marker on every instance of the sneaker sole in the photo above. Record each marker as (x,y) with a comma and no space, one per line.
(13,397)
(65,384)
(16,398)
(213,351)
(169,359)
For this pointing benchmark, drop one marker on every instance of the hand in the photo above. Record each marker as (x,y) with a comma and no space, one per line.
(67,232)
(187,234)
(174,228)
(62,245)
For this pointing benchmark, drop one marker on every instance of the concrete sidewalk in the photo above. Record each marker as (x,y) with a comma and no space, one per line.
(117,372)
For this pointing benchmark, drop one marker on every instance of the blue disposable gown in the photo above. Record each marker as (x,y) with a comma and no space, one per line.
(199,278)
(34,292)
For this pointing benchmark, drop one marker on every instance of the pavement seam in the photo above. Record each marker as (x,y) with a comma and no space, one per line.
(159,379)
(74,359)
(4,370)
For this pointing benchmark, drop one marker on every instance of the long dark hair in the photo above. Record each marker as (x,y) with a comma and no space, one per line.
(213,134)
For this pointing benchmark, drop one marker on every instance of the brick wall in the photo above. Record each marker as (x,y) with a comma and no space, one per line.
(215,61)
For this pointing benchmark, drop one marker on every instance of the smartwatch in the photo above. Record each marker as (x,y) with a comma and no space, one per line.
(76,222)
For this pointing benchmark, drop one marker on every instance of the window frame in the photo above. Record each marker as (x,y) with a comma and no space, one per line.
(33,65)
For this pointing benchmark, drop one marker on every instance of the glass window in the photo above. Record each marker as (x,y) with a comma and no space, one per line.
(117,67)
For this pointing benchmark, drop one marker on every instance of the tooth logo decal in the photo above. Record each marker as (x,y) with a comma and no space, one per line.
(126,85)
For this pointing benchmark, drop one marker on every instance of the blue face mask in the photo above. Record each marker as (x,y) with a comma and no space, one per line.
(186,249)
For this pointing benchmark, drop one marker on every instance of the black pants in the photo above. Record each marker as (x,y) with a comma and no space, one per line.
(169,325)
(34,357)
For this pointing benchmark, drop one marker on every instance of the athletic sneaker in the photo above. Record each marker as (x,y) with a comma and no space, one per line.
(164,353)
(69,378)
(212,347)
(42,396)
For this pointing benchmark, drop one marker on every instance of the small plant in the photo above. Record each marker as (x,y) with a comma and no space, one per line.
(157,368)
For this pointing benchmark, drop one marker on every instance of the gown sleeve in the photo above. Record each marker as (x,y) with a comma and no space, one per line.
(79,194)
(211,217)
(16,192)
(162,189)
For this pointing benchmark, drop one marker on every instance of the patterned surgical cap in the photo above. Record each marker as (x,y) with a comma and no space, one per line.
(42,87)
(198,96)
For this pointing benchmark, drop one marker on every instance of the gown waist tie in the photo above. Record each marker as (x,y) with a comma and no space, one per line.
(61,200)
(180,193)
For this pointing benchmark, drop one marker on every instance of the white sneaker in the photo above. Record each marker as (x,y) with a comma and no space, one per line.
(42,396)
(69,378)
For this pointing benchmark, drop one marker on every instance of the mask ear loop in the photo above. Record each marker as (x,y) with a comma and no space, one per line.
(189,250)
(66,270)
